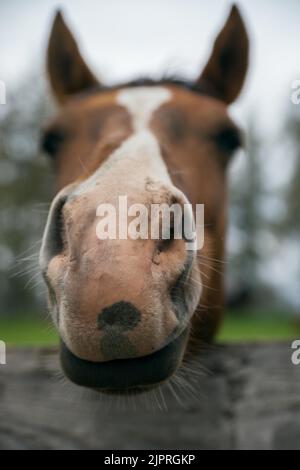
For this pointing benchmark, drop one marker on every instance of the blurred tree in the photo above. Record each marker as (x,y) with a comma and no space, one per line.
(265,221)
(25,182)
(246,199)
(291,222)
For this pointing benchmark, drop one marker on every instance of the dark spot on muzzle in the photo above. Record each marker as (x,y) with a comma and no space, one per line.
(122,316)
(115,345)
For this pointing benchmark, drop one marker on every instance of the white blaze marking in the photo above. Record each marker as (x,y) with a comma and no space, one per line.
(142,148)
(139,156)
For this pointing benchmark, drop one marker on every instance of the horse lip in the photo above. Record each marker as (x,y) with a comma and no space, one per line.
(119,375)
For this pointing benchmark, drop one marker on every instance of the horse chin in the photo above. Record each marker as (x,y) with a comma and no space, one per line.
(135,375)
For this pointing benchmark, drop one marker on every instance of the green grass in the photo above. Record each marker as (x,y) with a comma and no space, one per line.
(240,326)
(258,326)
(27,331)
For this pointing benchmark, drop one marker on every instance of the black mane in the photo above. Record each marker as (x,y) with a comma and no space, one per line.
(146,81)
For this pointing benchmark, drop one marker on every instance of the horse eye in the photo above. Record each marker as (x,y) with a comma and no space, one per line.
(228,140)
(51,142)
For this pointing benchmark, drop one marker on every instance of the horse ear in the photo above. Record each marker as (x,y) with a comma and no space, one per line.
(68,73)
(224,74)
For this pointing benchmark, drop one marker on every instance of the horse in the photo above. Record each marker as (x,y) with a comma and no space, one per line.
(131,312)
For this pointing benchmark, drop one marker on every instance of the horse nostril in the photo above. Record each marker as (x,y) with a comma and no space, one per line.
(174,230)
(165,243)
(122,315)
(53,238)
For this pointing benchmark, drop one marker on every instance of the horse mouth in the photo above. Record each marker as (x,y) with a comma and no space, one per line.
(123,375)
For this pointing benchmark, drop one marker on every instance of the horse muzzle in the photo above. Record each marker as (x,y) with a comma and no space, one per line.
(123,375)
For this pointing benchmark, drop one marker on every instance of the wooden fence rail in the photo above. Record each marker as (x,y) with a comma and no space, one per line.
(248,398)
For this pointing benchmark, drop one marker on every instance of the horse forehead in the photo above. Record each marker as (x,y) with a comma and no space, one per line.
(138,154)
(142,102)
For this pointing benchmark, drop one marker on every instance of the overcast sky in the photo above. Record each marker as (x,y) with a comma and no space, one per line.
(122,39)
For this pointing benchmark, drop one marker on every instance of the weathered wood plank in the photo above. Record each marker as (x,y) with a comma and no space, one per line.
(250,399)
